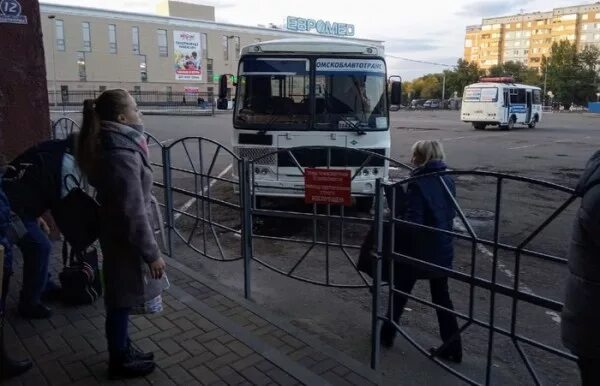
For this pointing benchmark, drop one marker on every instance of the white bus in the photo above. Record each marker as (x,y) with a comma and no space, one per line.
(499,101)
(298,92)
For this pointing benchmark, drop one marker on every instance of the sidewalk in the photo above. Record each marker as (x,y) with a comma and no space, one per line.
(203,337)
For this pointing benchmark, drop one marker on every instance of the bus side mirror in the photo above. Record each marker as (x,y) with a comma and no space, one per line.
(396,93)
(222,101)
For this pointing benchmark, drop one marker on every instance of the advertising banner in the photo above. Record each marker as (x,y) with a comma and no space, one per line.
(188,52)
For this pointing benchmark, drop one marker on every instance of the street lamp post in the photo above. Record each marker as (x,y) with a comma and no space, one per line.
(443,87)
(52,17)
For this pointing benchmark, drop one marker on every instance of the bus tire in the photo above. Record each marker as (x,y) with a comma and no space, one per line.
(510,125)
(479,126)
(532,124)
(364,204)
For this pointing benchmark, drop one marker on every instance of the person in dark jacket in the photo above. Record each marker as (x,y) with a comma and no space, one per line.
(8,366)
(427,202)
(112,151)
(581,316)
(35,186)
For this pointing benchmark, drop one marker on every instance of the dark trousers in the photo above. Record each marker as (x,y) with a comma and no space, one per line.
(405,281)
(590,371)
(35,247)
(117,335)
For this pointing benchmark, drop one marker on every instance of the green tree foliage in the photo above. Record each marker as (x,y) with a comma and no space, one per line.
(571,76)
(520,72)
(430,86)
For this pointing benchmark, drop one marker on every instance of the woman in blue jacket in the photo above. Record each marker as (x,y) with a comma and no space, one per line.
(427,202)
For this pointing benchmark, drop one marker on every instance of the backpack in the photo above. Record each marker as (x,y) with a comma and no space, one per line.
(33,183)
(77,216)
(80,278)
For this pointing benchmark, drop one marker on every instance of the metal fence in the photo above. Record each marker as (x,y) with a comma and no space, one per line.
(216,211)
(149,101)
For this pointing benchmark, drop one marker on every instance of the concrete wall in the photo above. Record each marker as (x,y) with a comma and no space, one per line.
(24,117)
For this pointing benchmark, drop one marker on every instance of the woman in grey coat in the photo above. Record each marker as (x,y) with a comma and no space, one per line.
(581,313)
(113,152)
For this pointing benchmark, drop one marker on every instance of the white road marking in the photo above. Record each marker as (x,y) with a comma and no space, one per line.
(191,201)
(472,136)
(521,147)
(554,316)
(486,252)
(161,142)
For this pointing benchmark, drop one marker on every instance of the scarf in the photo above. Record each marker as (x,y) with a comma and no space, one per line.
(133,132)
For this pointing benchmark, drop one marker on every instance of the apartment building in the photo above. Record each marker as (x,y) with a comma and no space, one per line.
(527,37)
(179,48)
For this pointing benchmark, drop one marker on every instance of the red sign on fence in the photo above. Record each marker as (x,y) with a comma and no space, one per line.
(327,186)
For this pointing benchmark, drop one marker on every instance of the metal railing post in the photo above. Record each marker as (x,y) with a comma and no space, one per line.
(375,325)
(168,197)
(246,207)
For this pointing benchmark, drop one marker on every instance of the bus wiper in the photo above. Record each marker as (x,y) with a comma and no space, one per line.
(355,125)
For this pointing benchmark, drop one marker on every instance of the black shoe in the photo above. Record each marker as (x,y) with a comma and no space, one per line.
(139,354)
(36,311)
(10,368)
(52,294)
(447,355)
(388,334)
(131,369)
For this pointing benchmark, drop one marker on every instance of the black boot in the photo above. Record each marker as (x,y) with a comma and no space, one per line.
(9,367)
(452,353)
(125,365)
(388,334)
(139,354)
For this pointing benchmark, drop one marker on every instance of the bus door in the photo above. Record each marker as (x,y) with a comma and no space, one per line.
(506,105)
(529,106)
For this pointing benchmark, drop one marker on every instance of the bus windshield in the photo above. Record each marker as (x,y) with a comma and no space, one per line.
(350,93)
(273,93)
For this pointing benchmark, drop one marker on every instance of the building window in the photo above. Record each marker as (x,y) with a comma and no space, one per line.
(204,42)
(225,43)
(87,39)
(81,66)
(135,40)
(597,16)
(236,40)
(209,70)
(112,38)
(137,90)
(143,68)
(584,17)
(59,31)
(163,49)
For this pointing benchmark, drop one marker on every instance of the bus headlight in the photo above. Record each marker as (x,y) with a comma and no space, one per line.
(375,171)
(365,172)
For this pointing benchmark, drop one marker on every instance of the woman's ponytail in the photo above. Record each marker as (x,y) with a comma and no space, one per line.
(88,139)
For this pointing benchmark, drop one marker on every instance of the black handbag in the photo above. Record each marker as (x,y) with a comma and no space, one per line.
(80,278)
(77,217)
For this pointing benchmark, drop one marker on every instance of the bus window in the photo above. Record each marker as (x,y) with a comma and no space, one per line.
(537,97)
(517,96)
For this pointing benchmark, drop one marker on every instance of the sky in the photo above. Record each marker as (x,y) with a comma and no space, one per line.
(431,30)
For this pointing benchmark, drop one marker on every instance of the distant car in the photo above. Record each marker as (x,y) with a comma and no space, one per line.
(417,104)
(432,104)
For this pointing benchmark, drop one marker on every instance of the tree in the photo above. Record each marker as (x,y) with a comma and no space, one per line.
(571,76)
(461,76)
(520,72)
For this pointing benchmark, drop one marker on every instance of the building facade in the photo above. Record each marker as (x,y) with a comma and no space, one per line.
(180,48)
(527,37)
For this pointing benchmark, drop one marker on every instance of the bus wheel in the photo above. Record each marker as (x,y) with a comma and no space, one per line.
(510,125)
(364,204)
(478,126)
(532,124)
